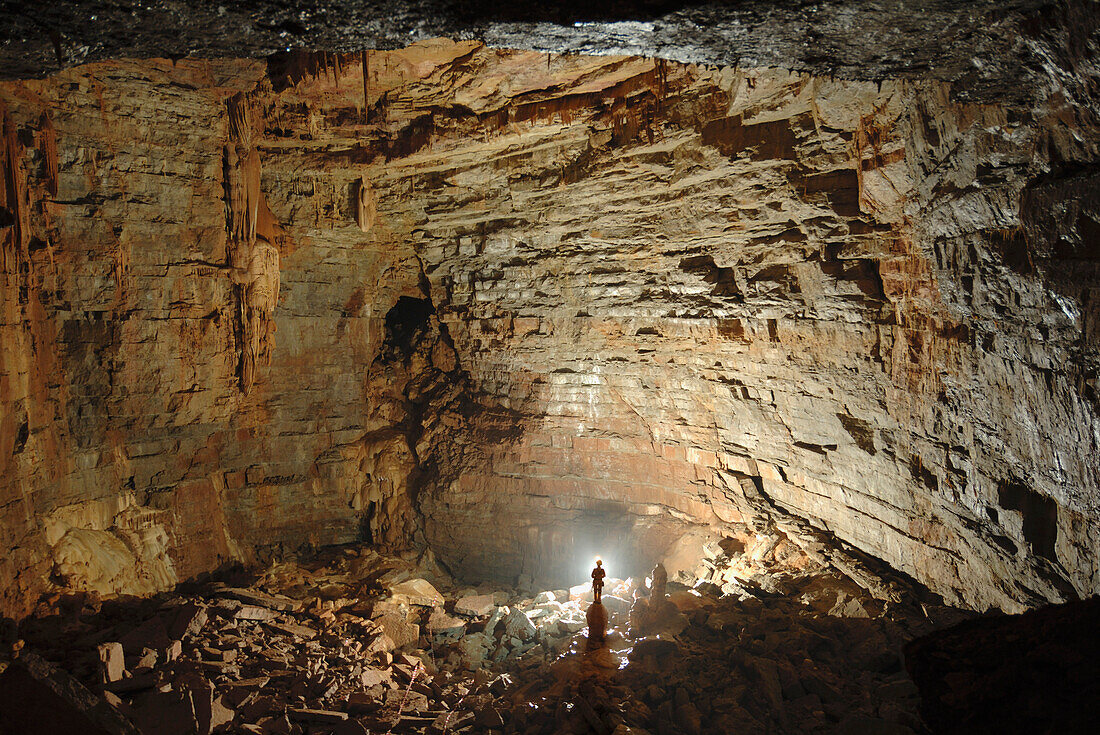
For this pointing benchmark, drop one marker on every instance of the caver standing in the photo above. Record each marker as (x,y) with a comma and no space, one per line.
(597,580)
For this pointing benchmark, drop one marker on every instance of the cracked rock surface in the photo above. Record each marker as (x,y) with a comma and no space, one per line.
(988,49)
(524,308)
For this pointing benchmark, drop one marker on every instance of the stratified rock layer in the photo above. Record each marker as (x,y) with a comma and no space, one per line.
(531,308)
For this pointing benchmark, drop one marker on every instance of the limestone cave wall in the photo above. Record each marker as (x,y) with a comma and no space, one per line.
(522,308)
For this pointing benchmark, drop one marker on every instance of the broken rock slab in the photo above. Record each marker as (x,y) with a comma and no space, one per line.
(38,699)
(187,620)
(475,606)
(281,603)
(615,605)
(112,665)
(848,607)
(517,624)
(397,628)
(152,634)
(418,592)
(473,649)
(317,716)
(255,612)
(440,623)
(165,713)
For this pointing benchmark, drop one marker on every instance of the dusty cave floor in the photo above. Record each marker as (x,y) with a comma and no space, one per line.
(350,641)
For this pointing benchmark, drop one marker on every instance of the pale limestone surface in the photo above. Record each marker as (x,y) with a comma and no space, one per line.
(537,308)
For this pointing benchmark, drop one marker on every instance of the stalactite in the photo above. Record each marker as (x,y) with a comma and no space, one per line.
(365,59)
(366,212)
(47,135)
(15,220)
(253,238)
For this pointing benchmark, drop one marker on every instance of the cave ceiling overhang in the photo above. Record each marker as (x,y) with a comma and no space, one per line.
(985,48)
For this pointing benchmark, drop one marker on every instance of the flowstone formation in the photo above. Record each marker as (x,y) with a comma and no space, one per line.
(499,303)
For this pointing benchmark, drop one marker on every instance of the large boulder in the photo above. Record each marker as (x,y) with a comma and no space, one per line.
(398,628)
(440,623)
(661,649)
(518,625)
(38,699)
(417,591)
(475,606)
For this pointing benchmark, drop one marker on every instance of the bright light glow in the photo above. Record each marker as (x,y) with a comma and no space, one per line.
(608,565)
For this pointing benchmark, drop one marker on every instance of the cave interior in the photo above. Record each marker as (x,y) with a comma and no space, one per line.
(339,340)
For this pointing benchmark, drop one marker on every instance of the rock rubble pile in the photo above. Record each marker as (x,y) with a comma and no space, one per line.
(356,642)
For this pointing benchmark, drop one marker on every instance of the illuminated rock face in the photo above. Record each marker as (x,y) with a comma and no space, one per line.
(528,308)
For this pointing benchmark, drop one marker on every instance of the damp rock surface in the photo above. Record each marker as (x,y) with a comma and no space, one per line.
(525,308)
(988,49)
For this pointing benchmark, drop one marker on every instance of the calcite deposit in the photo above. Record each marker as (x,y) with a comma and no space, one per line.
(523,308)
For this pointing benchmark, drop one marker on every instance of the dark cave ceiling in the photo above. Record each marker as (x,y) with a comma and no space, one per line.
(989,50)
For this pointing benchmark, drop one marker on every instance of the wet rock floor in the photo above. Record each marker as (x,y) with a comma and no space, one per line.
(354,642)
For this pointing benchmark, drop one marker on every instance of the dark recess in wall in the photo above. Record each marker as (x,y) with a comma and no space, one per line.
(408,317)
(1040,516)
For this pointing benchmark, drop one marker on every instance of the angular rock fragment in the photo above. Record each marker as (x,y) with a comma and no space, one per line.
(518,625)
(475,606)
(136,683)
(302,632)
(416,592)
(254,612)
(112,666)
(319,716)
(151,634)
(398,630)
(848,607)
(440,623)
(544,609)
(406,700)
(188,620)
(38,699)
(165,713)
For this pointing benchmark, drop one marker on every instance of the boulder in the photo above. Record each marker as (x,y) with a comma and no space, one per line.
(188,619)
(38,699)
(659,648)
(165,713)
(495,618)
(418,591)
(396,627)
(473,649)
(475,606)
(541,611)
(848,607)
(440,623)
(281,603)
(112,665)
(615,605)
(152,634)
(518,625)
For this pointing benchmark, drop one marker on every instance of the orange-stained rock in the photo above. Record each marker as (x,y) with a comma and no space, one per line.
(535,308)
